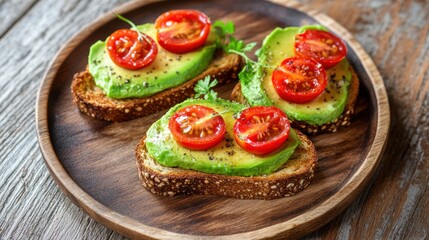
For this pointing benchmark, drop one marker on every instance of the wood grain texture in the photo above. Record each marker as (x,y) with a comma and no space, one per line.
(11,12)
(31,205)
(96,174)
(395,35)
(395,205)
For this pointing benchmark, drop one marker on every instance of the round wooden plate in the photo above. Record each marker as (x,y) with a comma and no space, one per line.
(93,161)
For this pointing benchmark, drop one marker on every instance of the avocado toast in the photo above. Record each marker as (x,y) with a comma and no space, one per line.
(331,109)
(229,167)
(93,101)
(111,90)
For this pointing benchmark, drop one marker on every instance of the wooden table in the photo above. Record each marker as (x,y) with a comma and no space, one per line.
(394,33)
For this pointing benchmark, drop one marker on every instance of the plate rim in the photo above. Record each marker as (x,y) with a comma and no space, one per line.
(307,222)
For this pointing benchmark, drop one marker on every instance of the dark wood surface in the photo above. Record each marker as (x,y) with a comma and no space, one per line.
(393,206)
(98,156)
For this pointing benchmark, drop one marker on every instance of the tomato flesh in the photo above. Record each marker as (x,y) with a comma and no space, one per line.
(181,31)
(128,50)
(321,46)
(261,130)
(299,79)
(197,127)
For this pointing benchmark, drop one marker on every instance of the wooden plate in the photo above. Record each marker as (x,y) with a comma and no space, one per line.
(93,161)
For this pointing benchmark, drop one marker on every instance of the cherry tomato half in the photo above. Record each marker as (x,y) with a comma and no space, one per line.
(299,79)
(128,50)
(181,31)
(261,130)
(323,47)
(197,127)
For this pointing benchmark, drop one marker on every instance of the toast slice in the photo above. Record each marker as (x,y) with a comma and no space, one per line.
(293,177)
(92,101)
(341,121)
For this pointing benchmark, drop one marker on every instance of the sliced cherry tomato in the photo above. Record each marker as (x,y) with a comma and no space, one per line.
(181,31)
(130,50)
(299,79)
(197,127)
(323,47)
(261,130)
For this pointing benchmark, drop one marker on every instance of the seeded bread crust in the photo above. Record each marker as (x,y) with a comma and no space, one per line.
(342,121)
(92,101)
(293,177)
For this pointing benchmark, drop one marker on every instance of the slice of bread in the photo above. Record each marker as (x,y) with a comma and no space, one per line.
(91,100)
(341,121)
(293,177)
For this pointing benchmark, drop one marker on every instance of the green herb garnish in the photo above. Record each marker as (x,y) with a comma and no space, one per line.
(224,28)
(225,31)
(133,26)
(233,45)
(240,48)
(204,88)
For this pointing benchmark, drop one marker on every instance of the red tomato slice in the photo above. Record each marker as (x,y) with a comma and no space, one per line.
(261,130)
(181,31)
(323,47)
(197,127)
(129,51)
(299,79)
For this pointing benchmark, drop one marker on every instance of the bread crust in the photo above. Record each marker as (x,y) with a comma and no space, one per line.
(342,121)
(92,101)
(293,177)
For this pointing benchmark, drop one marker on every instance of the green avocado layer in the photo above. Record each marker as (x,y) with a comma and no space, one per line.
(258,89)
(226,158)
(168,69)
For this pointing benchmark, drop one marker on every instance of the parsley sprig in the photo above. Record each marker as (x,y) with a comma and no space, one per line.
(232,45)
(224,28)
(204,88)
(229,43)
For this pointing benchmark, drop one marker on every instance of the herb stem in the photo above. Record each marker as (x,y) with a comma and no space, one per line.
(133,26)
(242,54)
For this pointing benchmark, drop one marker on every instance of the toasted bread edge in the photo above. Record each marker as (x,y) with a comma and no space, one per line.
(93,102)
(167,181)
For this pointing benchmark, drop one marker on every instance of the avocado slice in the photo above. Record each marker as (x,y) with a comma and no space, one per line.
(226,158)
(258,89)
(168,69)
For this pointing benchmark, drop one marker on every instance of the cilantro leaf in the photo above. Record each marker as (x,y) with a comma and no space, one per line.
(224,29)
(238,46)
(235,46)
(204,88)
(248,47)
